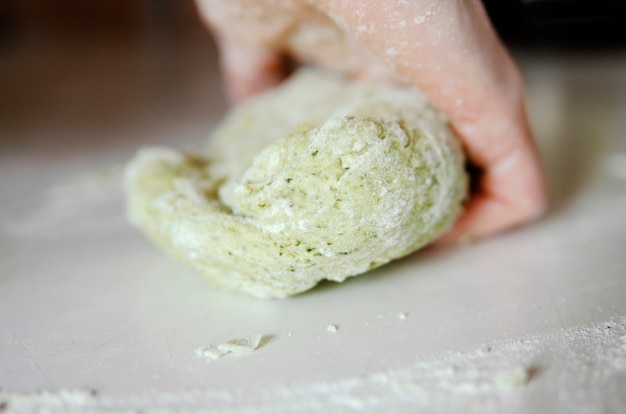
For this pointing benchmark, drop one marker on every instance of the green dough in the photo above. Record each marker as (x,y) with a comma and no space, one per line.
(320,178)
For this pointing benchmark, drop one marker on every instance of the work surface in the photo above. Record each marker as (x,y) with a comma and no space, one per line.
(94,318)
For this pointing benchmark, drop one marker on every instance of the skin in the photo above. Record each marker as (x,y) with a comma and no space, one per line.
(447,48)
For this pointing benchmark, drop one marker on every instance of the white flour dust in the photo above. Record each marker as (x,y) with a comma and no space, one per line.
(91,203)
(575,370)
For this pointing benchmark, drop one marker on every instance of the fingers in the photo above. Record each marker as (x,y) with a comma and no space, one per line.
(249,60)
(511,189)
(505,197)
(449,50)
(249,69)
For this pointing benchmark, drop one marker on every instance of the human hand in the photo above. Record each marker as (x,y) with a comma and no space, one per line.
(446,48)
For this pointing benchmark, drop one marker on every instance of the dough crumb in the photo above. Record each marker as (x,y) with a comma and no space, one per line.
(483,350)
(332,328)
(513,378)
(403,315)
(240,345)
(210,352)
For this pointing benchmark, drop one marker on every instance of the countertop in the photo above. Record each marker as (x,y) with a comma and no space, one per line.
(95,319)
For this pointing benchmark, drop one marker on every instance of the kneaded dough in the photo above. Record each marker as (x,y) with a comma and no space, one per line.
(320,178)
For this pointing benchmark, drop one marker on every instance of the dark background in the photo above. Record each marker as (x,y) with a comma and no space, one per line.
(562,23)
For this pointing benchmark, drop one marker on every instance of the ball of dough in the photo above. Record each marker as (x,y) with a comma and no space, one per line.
(320,178)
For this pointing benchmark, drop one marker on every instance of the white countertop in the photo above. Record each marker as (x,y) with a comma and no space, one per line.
(93,318)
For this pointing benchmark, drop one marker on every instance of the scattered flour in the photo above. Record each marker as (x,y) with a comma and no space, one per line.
(90,203)
(44,401)
(574,370)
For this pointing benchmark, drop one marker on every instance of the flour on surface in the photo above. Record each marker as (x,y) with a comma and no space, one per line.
(89,203)
(46,401)
(574,370)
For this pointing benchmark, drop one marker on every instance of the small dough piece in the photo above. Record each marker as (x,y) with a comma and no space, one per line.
(237,346)
(320,178)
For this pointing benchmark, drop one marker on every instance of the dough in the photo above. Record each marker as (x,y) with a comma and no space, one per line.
(320,178)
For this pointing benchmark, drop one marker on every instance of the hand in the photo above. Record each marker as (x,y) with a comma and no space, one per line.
(446,48)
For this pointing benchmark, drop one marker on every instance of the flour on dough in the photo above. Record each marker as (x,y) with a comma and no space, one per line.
(320,178)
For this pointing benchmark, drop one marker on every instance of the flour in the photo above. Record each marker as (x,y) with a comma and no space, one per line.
(90,203)
(575,370)
(65,400)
